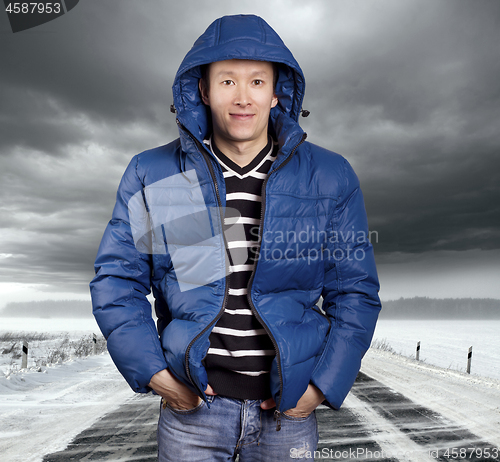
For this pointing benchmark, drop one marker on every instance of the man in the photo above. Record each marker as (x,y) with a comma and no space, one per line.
(238,227)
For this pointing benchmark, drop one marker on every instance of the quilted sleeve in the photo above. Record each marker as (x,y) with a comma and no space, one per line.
(119,290)
(350,294)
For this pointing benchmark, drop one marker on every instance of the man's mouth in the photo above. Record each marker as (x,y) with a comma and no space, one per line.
(242,116)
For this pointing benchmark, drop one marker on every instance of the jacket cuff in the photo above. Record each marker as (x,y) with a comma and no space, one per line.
(336,371)
(137,355)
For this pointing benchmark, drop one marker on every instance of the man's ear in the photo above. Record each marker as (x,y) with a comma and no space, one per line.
(274,101)
(203,91)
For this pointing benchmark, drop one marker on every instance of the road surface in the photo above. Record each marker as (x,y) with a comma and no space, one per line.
(376,423)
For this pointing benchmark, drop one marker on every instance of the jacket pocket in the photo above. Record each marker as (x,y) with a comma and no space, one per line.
(325,317)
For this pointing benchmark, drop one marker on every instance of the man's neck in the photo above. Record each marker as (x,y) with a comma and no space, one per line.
(241,153)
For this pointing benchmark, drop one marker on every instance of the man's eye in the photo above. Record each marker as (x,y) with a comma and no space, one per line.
(258,82)
(227,82)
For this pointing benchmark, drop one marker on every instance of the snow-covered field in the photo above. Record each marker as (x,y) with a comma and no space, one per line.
(43,408)
(446,343)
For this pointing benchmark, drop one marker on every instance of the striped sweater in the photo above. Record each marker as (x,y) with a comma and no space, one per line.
(240,354)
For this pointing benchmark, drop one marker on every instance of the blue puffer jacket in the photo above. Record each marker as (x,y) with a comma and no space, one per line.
(314,244)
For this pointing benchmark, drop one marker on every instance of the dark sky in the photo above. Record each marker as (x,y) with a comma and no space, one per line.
(408,92)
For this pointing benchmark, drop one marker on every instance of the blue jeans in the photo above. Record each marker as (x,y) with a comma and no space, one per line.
(233,427)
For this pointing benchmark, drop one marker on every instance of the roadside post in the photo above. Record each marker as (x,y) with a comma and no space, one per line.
(24,360)
(469,359)
(94,344)
(417,355)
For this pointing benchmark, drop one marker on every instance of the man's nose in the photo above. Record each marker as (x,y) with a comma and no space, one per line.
(242,97)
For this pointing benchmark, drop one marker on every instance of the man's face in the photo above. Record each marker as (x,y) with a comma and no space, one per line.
(240,96)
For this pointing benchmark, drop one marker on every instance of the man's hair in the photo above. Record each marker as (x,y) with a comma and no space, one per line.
(206,81)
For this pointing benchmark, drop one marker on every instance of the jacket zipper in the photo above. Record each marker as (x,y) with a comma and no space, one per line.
(277,413)
(226,291)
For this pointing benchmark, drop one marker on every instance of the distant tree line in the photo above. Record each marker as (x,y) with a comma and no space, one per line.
(49,309)
(441,308)
(404,308)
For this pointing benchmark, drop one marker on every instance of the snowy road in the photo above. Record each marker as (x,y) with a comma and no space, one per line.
(398,410)
(377,421)
(128,434)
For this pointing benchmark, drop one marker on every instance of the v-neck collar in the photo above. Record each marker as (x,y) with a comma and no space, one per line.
(247,168)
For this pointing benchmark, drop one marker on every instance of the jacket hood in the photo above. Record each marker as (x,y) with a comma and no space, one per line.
(237,37)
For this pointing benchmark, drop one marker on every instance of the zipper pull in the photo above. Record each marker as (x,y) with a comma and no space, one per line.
(277,417)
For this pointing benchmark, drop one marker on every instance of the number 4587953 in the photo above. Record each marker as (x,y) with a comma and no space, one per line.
(24,8)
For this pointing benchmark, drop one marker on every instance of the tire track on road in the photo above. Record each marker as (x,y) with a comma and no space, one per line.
(343,436)
(128,434)
(420,424)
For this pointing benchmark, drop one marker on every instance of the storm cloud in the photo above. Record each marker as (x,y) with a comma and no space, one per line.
(407,91)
